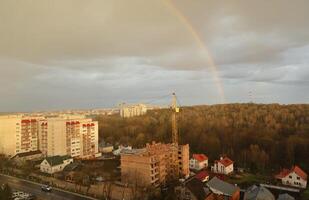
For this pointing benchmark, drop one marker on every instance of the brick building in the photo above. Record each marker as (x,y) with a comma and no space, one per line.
(155,165)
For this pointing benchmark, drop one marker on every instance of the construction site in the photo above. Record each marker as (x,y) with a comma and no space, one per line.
(157,164)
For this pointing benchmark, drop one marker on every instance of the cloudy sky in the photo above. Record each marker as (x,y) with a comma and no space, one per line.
(97,53)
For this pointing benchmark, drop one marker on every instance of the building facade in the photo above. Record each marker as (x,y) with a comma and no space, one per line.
(19,134)
(75,136)
(133,110)
(51,165)
(223,166)
(154,165)
(72,135)
(198,161)
(295,177)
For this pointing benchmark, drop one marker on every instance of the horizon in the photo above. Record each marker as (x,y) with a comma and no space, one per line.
(163,106)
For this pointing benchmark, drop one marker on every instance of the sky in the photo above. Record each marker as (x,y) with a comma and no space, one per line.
(67,54)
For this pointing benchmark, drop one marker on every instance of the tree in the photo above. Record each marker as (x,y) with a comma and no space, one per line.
(5,192)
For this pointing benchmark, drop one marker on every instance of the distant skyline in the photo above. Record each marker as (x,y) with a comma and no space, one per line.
(73,54)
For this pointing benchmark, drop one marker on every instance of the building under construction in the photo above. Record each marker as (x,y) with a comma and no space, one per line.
(157,163)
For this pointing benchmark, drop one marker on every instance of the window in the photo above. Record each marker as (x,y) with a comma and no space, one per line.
(290,176)
(298,178)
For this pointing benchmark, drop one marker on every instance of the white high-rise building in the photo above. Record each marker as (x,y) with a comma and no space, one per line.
(72,135)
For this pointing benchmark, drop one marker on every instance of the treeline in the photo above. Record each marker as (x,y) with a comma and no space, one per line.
(257,136)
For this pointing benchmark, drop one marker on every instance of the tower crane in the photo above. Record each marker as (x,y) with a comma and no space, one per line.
(175,111)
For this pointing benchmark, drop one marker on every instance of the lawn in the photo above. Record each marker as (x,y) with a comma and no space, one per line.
(248,179)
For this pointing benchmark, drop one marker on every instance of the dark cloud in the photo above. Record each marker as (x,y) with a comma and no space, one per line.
(91,54)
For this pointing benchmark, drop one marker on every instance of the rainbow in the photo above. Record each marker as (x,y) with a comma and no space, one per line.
(212,66)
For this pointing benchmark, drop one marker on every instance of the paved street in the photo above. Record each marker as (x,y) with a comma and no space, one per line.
(34,188)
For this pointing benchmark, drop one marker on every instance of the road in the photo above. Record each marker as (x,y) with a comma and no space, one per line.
(35,188)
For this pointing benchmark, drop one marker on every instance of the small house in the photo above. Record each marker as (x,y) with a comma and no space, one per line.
(223,166)
(222,190)
(51,165)
(198,161)
(295,177)
(21,158)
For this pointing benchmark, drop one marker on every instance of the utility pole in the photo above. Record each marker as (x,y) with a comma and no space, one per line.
(175,110)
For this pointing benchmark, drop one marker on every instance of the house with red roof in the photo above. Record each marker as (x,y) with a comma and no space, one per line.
(295,177)
(203,176)
(198,161)
(223,166)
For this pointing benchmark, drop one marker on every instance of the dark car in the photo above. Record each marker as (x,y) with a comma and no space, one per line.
(46,188)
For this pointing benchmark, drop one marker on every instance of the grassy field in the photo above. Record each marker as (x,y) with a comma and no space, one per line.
(248,179)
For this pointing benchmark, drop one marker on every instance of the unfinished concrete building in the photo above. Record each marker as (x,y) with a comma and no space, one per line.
(155,165)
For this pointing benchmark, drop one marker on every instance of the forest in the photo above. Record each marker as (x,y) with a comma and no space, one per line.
(258,137)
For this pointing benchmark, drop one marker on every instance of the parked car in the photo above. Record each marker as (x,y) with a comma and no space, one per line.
(46,188)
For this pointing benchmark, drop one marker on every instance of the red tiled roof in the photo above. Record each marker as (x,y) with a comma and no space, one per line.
(295,169)
(200,157)
(300,172)
(283,174)
(225,161)
(201,175)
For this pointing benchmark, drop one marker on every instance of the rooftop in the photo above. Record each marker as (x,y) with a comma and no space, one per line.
(56,160)
(296,169)
(201,175)
(25,154)
(225,161)
(216,185)
(200,157)
(197,188)
(258,192)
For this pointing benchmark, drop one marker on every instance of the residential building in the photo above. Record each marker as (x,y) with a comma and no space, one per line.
(105,147)
(133,110)
(18,134)
(154,165)
(192,189)
(21,158)
(203,176)
(51,165)
(222,190)
(198,161)
(73,135)
(223,166)
(117,152)
(258,193)
(295,177)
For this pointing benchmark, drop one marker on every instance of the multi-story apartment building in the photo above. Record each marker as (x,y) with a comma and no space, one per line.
(133,110)
(155,165)
(72,135)
(18,134)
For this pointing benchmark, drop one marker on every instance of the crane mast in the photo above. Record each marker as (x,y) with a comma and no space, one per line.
(175,110)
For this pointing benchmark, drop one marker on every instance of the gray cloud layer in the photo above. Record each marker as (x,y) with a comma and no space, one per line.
(74,53)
